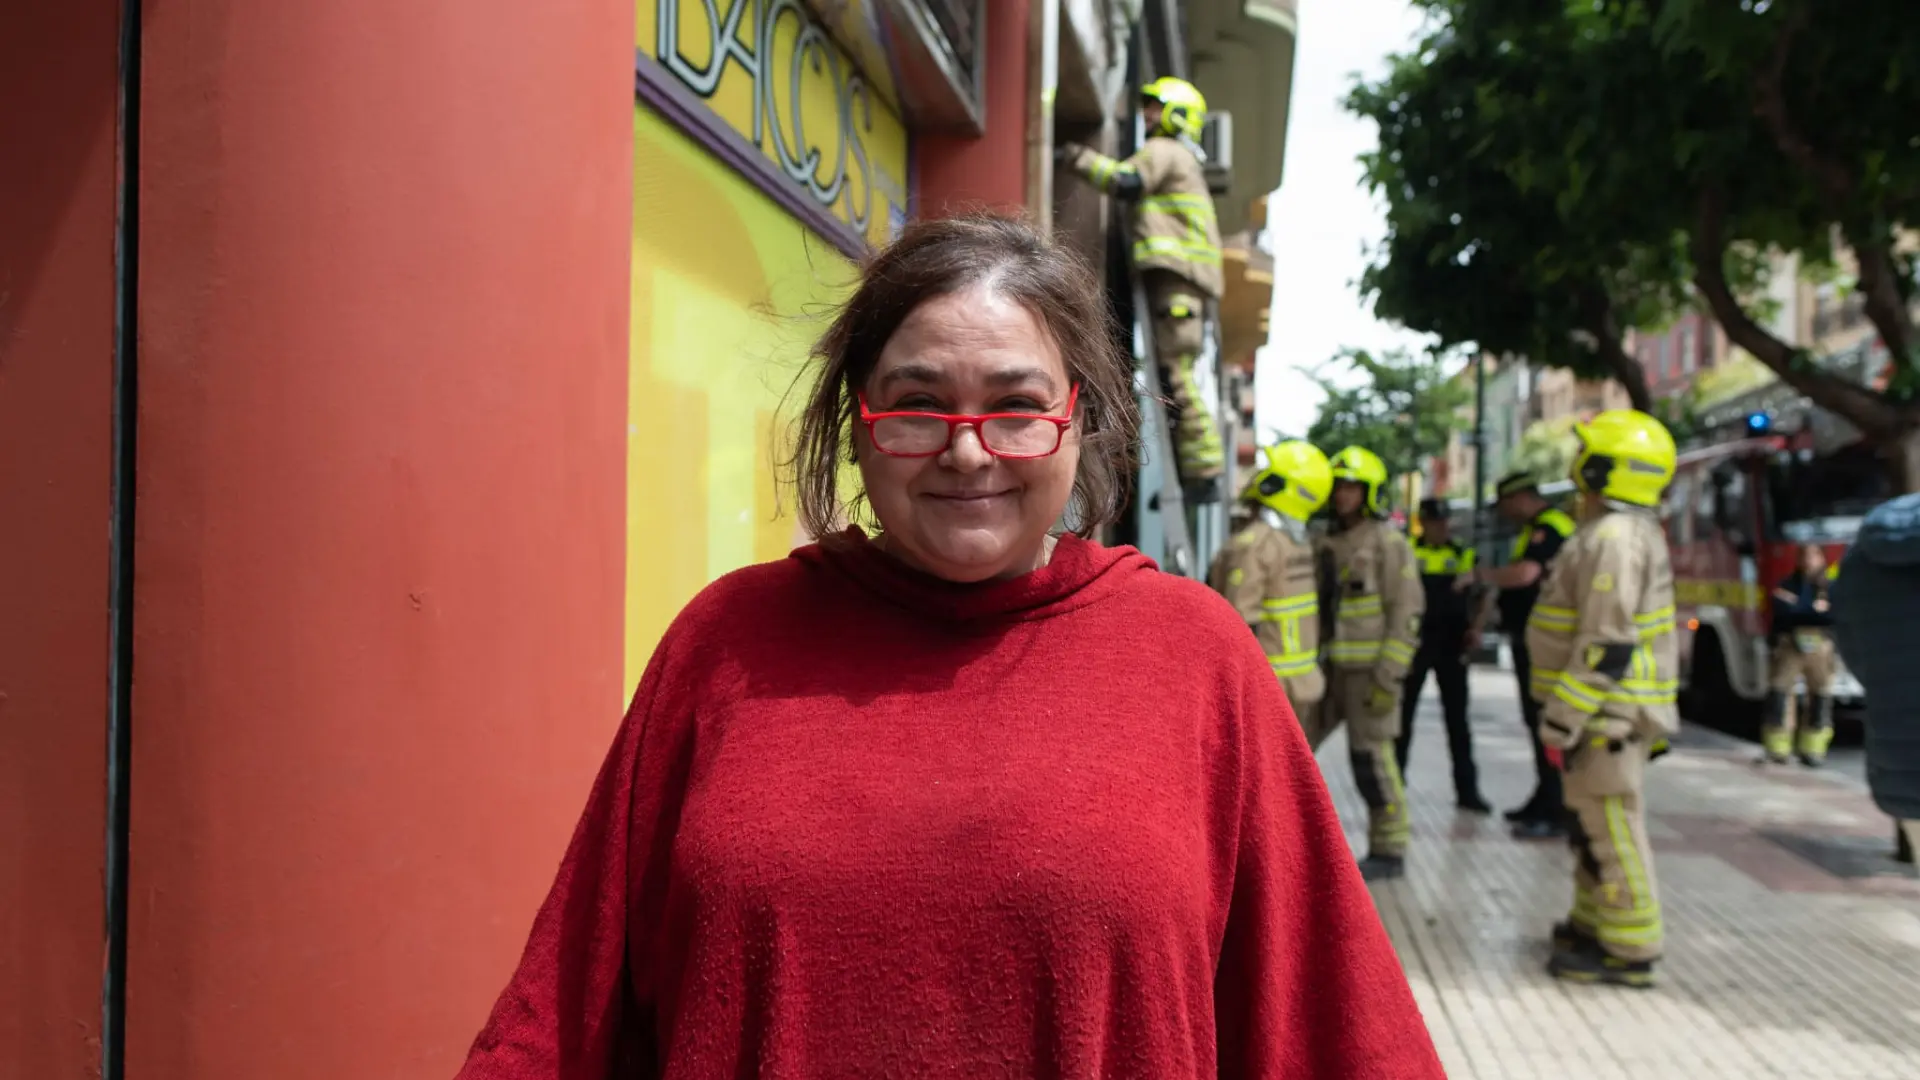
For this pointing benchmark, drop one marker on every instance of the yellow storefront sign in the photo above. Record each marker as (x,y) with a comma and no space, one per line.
(773,75)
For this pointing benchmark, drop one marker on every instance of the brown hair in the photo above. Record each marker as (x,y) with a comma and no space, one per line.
(938,257)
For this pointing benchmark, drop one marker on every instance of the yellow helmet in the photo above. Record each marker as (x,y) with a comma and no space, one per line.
(1625,455)
(1182,110)
(1363,466)
(1294,482)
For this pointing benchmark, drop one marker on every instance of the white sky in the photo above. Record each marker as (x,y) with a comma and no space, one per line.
(1321,217)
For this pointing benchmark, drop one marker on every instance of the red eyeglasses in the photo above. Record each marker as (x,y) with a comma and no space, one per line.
(1005,435)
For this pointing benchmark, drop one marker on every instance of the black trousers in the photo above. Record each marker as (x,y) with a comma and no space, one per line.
(1549,801)
(1449,668)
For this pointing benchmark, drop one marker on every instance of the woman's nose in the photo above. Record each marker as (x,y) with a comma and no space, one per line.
(966,452)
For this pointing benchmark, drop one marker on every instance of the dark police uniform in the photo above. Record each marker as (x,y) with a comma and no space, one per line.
(1443,644)
(1539,542)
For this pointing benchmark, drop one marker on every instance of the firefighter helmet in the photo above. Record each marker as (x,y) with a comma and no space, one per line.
(1182,110)
(1625,455)
(1294,481)
(1364,467)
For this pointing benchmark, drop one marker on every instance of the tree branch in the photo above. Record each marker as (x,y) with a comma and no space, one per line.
(1770,105)
(1838,395)
(1597,308)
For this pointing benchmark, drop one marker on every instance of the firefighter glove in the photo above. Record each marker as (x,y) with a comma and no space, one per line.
(1380,700)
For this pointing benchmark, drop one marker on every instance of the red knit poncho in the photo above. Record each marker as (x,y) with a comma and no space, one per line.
(860,822)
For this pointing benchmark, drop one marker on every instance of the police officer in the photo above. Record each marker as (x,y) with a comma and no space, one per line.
(1607,662)
(1267,569)
(1802,635)
(1375,630)
(1543,529)
(1446,636)
(1176,246)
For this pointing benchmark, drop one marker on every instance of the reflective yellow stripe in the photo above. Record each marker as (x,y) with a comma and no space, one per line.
(1292,665)
(1543,682)
(1628,852)
(1397,652)
(1157,246)
(1354,652)
(1368,604)
(1299,604)
(1578,696)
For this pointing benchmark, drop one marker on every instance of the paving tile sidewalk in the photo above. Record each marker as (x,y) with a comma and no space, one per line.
(1793,948)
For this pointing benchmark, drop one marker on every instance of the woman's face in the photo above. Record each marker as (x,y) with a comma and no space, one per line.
(964,514)
(1813,560)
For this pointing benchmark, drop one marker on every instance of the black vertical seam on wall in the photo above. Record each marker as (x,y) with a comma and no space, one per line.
(113,995)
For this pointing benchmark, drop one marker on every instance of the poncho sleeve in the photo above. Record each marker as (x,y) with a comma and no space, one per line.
(569,1011)
(1308,984)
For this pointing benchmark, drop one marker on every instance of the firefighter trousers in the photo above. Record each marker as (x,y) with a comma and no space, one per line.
(1548,801)
(1350,700)
(1449,668)
(1179,334)
(1615,896)
(1807,655)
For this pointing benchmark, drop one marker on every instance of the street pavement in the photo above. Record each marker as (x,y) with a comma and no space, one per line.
(1793,941)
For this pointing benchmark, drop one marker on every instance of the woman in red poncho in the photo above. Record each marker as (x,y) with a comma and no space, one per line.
(966,798)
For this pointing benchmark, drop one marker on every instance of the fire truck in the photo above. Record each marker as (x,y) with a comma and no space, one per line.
(1774,473)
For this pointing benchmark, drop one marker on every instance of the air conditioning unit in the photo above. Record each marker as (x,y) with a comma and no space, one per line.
(1216,138)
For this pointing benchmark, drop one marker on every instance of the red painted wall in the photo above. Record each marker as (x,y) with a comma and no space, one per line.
(58,84)
(953,172)
(385,251)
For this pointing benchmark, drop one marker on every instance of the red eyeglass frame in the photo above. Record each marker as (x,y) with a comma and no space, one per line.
(956,421)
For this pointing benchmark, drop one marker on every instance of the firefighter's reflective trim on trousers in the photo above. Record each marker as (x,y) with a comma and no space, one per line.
(1151,247)
(1376,772)
(1638,922)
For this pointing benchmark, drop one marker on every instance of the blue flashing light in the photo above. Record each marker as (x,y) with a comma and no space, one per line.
(1759,423)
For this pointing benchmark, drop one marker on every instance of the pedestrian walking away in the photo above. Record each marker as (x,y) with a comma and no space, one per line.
(1606,662)
(1376,630)
(1543,529)
(1267,569)
(1447,636)
(964,795)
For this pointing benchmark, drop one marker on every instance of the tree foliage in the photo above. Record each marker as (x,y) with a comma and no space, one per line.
(1404,407)
(1545,161)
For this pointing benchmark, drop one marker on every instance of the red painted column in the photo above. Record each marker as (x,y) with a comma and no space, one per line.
(385,251)
(58,88)
(954,172)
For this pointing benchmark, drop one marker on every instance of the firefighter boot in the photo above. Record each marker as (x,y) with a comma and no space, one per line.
(1775,737)
(1589,963)
(1817,735)
(1569,936)
(1382,867)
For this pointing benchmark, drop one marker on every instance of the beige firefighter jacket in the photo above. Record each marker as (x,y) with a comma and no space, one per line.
(1266,572)
(1605,656)
(1381,601)
(1174,224)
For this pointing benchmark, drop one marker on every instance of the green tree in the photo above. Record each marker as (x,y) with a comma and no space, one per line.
(1471,254)
(1404,407)
(1546,450)
(1677,142)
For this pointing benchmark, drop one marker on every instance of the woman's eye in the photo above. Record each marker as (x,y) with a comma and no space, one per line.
(1019,405)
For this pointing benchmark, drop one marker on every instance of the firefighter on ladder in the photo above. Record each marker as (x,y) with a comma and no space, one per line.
(1375,631)
(1267,569)
(1802,632)
(1176,248)
(1606,671)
